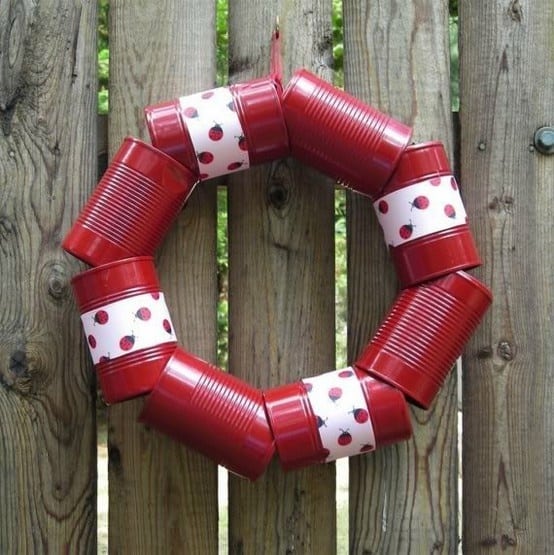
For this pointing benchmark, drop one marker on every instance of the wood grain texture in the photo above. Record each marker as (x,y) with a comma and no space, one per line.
(402,498)
(47,168)
(163,498)
(507,91)
(281,287)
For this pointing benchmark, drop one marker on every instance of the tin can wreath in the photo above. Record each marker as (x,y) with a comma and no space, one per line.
(341,413)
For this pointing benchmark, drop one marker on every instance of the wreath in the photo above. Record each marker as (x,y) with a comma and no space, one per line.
(341,413)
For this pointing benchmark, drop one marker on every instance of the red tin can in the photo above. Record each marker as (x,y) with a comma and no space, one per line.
(337,414)
(424,333)
(212,412)
(340,135)
(127,325)
(423,217)
(133,206)
(222,130)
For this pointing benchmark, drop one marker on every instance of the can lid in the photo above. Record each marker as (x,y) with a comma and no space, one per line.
(418,162)
(388,409)
(169,134)
(258,104)
(213,412)
(294,426)
(114,280)
(435,255)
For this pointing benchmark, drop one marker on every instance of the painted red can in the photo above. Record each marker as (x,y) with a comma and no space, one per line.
(212,412)
(133,206)
(422,215)
(127,325)
(424,333)
(259,132)
(296,425)
(340,135)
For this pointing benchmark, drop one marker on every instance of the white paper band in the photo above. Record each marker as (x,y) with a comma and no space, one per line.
(420,209)
(216,132)
(342,413)
(129,325)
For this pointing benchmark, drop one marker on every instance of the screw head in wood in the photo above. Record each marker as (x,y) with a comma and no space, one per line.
(544,140)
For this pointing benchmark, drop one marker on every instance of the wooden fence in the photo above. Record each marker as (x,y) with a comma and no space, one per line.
(163,498)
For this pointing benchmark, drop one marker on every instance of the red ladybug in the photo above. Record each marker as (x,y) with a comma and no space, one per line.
(234,166)
(345,373)
(242,142)
(435,181)
(450,211)
(383,206)
(406,230)
(101,317)
(308,386)
(345,437)
(104,358)
(207,94)
(366,447)
(216,132)
(231,106)
(203,176)
(167,326)
(143,314)
(421,202)
(335,393)
(127,342)
(205,157)
(155,296)
(320,421)
(453,183)
(190,112)
(92,341)
(360,415)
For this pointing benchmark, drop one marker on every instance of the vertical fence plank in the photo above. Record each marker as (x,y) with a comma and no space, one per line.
(47,167)
(507,92)
(281,286)
(163,498)
(403,499)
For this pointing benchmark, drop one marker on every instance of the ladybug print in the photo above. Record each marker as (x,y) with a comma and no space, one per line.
(242,142)
(308,386)
(234,166)
(207,94)
(143,314)
(345,437)
(101,317)
(127,342)
(345,374)
(406,230)
(231,106)
(167,326)
(335,393)
(453,184)
(155,296)
(366,447)
(216,132)
(321,421)
(203,176)
(435,181)
(450,211)
(205,157)
(191,112)
(360,415)
(104,358)
(421,203)
(92,341)
(383,206)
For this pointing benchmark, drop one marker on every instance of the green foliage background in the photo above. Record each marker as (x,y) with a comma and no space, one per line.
(340,197)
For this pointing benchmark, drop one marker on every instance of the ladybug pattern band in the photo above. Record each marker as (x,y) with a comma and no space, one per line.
(420,209)
(341,413)
(126,326)
(216,132)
